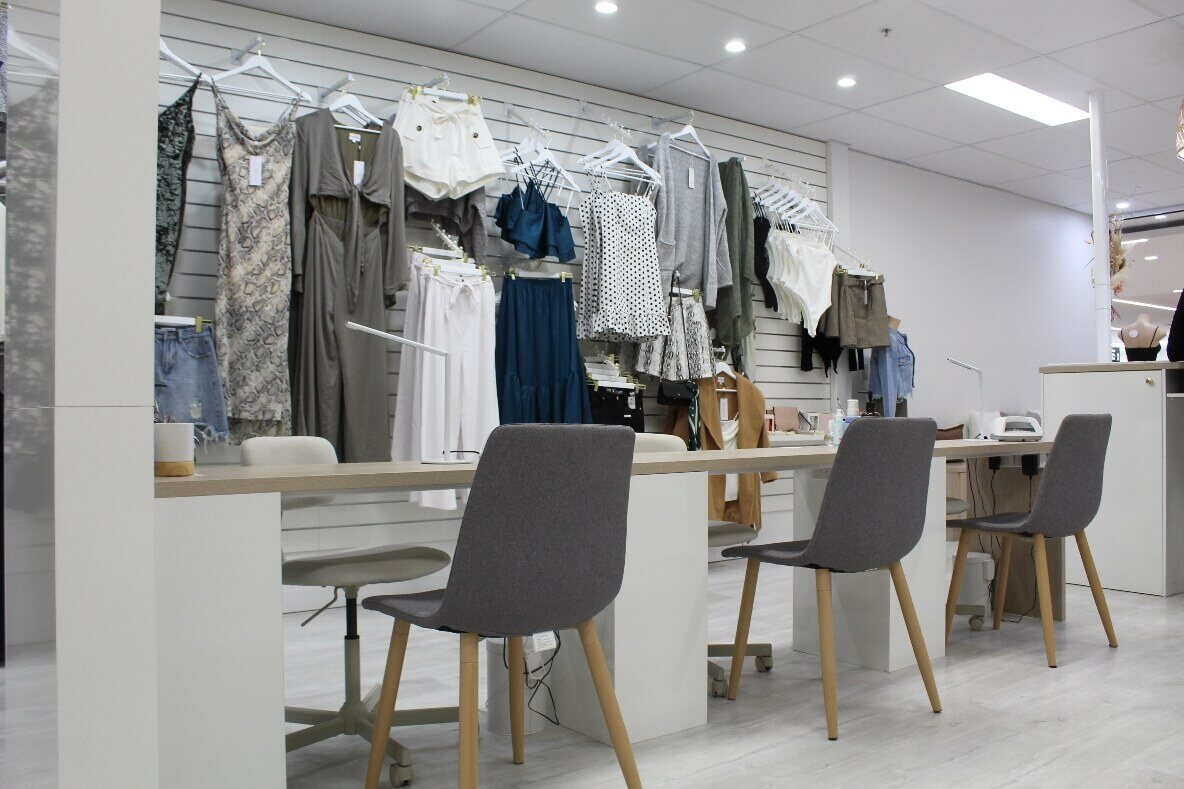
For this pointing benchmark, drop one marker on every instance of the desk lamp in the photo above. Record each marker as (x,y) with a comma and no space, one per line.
(982,417)
(445,458)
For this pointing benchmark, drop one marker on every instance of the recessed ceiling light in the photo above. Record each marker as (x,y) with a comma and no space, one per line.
(1161,216)
(1124,205)
(1145,304)
(1151,257)
(1129,241)
(1014,97)
(736,45)
(606,7)
(846,82)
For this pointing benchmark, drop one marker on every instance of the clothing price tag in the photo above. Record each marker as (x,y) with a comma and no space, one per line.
(691,177)
(633,401)
(359,172)
(255,171)
(723,410)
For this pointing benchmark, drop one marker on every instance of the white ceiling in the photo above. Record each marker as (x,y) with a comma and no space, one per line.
(672,50)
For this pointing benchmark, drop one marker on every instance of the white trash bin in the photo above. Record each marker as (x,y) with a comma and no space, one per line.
(497,701)
(974,598)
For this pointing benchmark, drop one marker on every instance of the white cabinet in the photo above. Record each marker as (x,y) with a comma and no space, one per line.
(1137,538)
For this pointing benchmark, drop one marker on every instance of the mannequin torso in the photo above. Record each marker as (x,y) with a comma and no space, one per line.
(1142,339)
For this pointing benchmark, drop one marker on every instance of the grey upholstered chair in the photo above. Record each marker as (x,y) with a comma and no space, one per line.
(1066,502)
(541,547)
(348,570)
(872,515)
(720,534)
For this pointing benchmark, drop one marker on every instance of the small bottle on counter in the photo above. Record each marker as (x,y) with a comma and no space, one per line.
(838,426)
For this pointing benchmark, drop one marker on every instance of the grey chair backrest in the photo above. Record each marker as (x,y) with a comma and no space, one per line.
(1070,489)
(542,541)
(873,511)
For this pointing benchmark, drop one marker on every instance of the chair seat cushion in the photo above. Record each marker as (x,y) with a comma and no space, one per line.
(363,566)
(419,608)
(1003,523)
(787,553)
(721,534)
(955,506)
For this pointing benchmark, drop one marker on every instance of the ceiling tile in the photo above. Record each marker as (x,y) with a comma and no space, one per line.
(1164,7)
(805,66)
(1133,177)
(504,5)
(924,42)
(1055,79)
(1053,148)
(876,136)
(1168,160)
(1140,131)
(438,24)
(1164,199)
(788,14)
(736,97)
(661,26)
(1055,188)
(971,164)
(1145,62)
(954,116)
(1049,25)
(531,44)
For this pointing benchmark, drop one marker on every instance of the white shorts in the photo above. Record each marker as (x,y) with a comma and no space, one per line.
(448,150)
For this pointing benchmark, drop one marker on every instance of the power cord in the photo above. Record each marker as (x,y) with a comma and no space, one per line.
(539,681)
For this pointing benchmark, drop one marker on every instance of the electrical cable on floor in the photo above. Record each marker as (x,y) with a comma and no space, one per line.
(540,681)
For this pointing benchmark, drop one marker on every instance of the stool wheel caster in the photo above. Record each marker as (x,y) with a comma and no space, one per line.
(400,775)
(763,663)
(718,688)
(976,623)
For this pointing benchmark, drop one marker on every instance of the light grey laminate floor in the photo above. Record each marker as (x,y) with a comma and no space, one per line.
(1104,718)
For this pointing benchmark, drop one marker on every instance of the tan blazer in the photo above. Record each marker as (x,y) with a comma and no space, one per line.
(750,403)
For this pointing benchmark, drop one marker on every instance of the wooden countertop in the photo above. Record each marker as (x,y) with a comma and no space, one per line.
(229,480)
(1111,367)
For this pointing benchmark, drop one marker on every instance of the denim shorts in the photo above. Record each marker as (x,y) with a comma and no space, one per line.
(188,387)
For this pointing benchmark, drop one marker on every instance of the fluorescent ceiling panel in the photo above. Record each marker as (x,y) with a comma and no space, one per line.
(1013,97)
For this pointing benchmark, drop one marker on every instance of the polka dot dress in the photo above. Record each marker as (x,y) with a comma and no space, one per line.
(621,293)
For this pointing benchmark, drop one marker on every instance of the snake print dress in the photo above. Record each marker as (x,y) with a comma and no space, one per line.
(174,149)
(253,292)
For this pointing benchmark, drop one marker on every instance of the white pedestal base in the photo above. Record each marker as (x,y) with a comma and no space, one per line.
(869,629)
(655,634)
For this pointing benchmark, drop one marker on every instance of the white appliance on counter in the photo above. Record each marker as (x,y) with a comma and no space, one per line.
(1137,538)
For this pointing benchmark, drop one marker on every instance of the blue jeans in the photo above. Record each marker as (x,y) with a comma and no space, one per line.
(188,387)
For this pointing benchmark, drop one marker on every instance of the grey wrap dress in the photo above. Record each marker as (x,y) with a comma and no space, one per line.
(349,258)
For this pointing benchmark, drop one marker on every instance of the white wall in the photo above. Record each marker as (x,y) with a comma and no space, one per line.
(997,280)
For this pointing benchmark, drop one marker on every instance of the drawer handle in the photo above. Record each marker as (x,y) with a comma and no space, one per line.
(1150,382)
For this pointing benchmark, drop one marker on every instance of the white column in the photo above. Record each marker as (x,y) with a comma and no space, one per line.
(1101,266)
(102,349)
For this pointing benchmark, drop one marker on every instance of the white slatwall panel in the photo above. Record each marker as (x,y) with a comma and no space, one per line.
(313,55)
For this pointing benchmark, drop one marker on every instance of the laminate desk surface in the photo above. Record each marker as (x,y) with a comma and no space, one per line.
(1111,367)
(230,480)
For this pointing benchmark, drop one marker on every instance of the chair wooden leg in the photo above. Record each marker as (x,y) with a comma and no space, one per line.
(517,701)
(1001,579)
(956,580)
(608,703)
(1044,592)
(467,769)
(740,647)
(385,711)
(916,637)
(826,652)
(1095,585)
